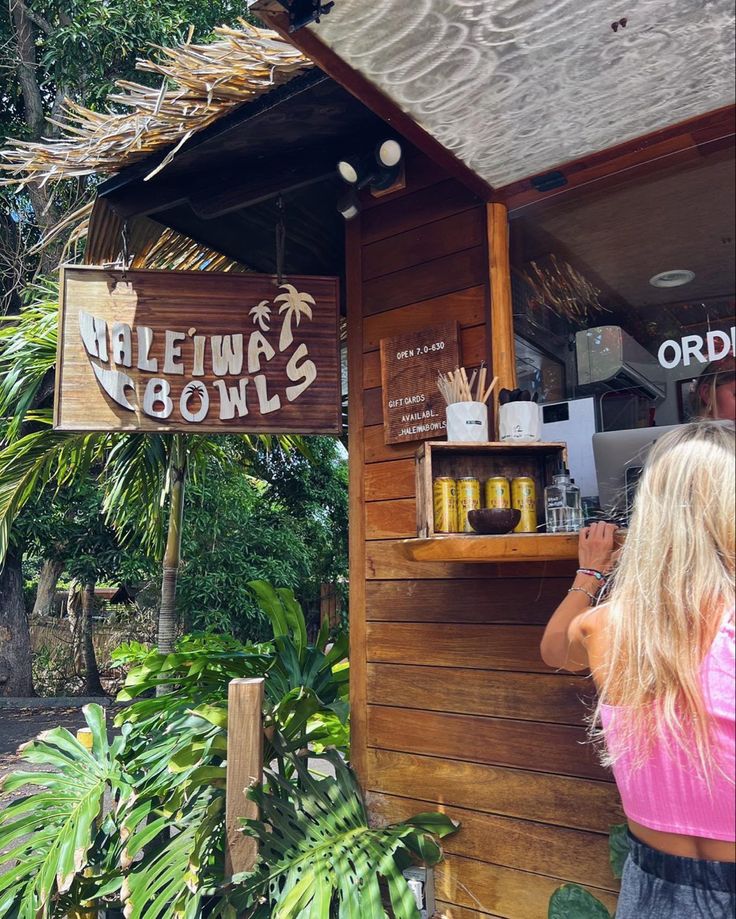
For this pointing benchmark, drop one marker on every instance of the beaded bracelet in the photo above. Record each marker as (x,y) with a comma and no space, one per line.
(594,573)
(587,593)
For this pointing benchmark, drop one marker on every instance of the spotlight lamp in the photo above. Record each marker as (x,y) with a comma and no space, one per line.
(378,170)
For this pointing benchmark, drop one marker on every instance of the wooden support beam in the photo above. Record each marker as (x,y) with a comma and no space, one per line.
(244,768)
(502,310)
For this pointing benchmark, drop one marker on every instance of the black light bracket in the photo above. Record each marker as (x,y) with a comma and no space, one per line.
(548,181)
(302,12)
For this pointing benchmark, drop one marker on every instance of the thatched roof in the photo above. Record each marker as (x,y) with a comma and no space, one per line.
(200,84)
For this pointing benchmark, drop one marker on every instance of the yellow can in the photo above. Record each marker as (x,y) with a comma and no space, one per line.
(524,498)
(444,491)
(468,499)
(497,492)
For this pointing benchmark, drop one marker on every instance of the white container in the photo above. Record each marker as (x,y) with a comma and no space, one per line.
(467,422)
(520,422)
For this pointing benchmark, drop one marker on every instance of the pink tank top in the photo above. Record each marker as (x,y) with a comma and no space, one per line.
(665,792)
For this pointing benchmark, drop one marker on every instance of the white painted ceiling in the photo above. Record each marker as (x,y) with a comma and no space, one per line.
(517,87)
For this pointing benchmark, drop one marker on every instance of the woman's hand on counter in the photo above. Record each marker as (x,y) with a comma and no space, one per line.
(596,546)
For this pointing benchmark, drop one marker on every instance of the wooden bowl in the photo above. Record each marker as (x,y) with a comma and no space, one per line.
(494,521)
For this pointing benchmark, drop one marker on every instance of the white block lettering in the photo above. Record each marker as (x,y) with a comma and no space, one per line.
(676,350)
(199,343)
(94,335)
(144,336)
(121,343)
(306,372)
(227,354)
(232,399)
(257,346)
(265,404)
(172,352)
(157,392)
(194,390)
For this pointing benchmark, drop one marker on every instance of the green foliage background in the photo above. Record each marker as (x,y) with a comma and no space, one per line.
(284,522)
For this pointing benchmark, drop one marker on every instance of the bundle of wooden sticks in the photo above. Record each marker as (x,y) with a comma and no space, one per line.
(456,387)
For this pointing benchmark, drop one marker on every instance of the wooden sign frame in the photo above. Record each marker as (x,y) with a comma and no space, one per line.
(413,408)
(197,352)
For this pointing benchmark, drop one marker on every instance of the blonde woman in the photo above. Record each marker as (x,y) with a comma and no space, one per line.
(661,653)
(715,390)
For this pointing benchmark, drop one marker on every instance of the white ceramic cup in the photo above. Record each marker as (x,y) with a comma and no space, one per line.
(467,422)
(520,422)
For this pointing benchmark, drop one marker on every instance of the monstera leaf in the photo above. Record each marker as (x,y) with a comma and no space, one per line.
(573,902)
(318,856)
(47,836)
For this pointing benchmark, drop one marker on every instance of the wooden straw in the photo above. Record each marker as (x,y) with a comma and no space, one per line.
(490,389)
(481,384)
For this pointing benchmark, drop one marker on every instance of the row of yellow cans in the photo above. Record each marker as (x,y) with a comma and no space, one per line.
(453,498)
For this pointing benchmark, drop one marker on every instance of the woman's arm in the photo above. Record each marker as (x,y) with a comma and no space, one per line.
(563,645)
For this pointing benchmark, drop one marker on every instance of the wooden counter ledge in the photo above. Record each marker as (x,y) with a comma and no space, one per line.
(512,547)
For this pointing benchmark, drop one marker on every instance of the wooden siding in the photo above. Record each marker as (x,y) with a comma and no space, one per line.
(452,706)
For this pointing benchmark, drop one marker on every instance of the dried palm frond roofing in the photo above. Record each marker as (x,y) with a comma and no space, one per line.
(201,83)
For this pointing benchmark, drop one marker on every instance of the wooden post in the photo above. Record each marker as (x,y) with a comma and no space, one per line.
(502,310)
(244,768)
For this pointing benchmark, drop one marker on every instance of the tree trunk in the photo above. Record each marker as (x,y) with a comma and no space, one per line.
(45,211)
(16,677)
(92,684)
(172,555)
(80,607)
(46,592)
(75,615)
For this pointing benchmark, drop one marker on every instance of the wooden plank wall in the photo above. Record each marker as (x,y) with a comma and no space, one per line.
(452,706)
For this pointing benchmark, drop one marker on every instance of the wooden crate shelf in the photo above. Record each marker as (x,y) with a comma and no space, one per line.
(439,458)
(512,547)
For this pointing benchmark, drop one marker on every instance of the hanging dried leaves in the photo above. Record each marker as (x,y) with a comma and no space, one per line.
(200,84)
(559,287)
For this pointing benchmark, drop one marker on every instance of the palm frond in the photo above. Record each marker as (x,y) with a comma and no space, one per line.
(28,355)
(36,460)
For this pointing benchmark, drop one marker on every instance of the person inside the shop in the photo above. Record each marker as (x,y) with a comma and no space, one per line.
(715,390)
(660,649)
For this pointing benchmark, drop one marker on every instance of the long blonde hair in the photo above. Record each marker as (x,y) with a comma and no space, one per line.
(672,588)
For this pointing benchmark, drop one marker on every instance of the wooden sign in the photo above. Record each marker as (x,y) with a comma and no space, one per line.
(197,351)
(413,408)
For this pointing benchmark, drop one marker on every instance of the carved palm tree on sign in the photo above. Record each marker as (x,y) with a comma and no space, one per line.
(261,315)
(295,305)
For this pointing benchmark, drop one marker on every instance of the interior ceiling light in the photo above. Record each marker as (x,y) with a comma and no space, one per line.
(674,278)
(378,170)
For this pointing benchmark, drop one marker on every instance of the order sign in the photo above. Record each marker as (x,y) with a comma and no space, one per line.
(413,408)
(197,351)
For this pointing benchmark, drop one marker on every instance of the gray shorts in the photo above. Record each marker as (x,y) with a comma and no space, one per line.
(660,886)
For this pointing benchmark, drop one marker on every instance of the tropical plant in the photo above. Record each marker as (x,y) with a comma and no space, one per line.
(158,848)
(295,305)
(571,901)
(57,834)
(319,857)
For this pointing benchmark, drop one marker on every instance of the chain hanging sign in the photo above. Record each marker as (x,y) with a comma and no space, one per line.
(197,351)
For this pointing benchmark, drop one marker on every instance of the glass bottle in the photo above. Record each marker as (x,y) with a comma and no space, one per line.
(562,506)
(577,514)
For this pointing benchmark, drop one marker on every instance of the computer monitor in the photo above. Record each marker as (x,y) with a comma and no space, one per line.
(619,457)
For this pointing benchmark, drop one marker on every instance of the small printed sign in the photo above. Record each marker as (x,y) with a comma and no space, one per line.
(197,351)
(413,408)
